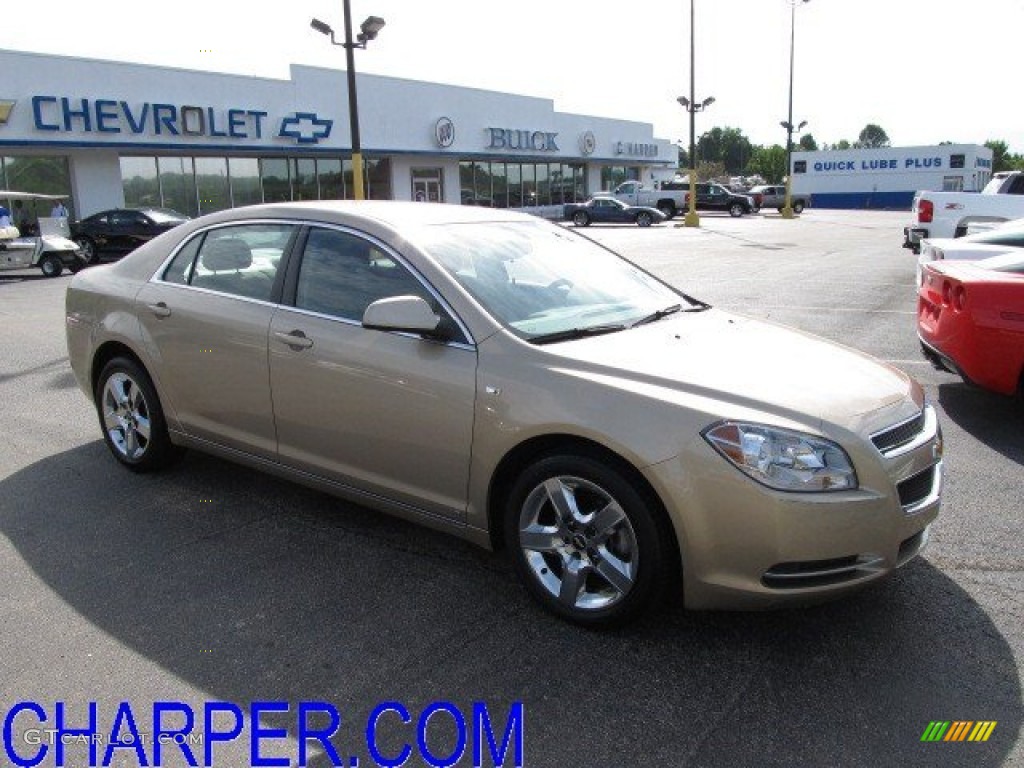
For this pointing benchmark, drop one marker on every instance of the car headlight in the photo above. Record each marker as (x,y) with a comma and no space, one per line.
(783,459)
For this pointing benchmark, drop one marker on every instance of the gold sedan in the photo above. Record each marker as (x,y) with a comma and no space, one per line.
(510,381)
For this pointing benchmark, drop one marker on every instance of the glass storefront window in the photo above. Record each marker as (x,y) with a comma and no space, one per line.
(579,175)
(543,185)
(140,182)
(529,178)
(499,185)
(212,184)
(378,177)
(274,174)
(178,184)
(328,171)
(514,174)
(244,173)
(43,175)
(482,186)
(304,186)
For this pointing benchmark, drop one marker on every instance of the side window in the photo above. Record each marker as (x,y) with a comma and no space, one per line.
(341,274)
(180,269)
(1017,186)
(241,260)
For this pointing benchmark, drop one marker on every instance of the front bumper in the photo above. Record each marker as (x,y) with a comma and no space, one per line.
(745,546)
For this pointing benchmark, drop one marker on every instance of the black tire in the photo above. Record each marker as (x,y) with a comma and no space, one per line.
(581,219)
(798,206)
(131,418)
(88,248)
(51,266)
(668,209)
(644,219)
(736,210)
(634,544)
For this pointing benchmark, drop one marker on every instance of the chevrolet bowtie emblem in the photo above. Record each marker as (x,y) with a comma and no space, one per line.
(6,105)
(306,127)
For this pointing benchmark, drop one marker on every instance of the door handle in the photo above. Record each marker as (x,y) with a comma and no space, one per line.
(160,309)
(294,339)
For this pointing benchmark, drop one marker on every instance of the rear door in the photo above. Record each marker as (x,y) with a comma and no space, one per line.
(390,414)
(206,320)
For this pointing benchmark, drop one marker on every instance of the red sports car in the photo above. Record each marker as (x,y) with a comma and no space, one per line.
(970,319)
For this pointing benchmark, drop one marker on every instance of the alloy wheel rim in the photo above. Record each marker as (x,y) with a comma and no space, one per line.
(578,543)
(126,416)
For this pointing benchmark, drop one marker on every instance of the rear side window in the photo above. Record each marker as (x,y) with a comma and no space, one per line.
(241,260)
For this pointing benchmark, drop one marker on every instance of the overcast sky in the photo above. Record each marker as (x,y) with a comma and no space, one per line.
(925,70)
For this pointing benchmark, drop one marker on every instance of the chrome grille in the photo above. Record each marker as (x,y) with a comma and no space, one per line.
(899,435)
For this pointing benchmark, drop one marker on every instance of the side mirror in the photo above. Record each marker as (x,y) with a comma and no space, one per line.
(410,314)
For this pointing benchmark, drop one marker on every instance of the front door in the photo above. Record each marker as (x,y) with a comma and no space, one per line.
(390,414)
(427,185)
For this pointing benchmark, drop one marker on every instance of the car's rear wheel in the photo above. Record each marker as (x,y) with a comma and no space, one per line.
(668,209)
(644,219)
(131,418)
(51,266)
(798,206)
(581,219)
(587,544)
(736,210)
(88,248)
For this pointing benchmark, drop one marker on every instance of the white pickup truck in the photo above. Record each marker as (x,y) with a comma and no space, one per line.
(948,214)
(669,197)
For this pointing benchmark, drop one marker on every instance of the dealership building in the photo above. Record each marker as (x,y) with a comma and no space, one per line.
(888,177)
(110,134)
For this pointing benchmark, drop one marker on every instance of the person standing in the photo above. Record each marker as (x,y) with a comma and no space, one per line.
(59,211)
(5,216)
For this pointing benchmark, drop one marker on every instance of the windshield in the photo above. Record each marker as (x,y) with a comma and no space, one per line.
(541,280)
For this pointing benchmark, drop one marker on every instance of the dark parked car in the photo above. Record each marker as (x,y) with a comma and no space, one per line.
(607,210)
(119,231)
(715,197)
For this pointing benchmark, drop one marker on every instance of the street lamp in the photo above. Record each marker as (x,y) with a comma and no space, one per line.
(692,106)
(368,30)
(787,209)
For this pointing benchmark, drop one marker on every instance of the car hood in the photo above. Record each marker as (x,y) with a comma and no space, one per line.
(736,364)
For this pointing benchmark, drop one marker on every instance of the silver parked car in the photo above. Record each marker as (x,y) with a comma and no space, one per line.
(505,379)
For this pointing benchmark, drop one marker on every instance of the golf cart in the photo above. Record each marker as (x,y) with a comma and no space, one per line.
(51,249)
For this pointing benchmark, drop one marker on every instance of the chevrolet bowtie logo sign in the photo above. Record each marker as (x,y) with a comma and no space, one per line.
(305,128)
(6,106)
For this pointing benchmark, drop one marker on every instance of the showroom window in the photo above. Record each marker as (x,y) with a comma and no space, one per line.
(202,184)
(513,185)
(41,175)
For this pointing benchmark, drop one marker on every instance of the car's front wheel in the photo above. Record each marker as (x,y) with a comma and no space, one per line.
(736,210)
(587,544)
(644,219)
(581,219)
(131,418)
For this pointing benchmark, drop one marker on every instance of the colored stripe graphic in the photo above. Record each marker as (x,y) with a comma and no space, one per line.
(935,731)
(982,731)
(959,730)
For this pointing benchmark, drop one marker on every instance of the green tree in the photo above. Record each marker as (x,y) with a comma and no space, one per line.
(1001,158)
(872,137)
(769,163)
(727,146)
(808,143)
(842,144)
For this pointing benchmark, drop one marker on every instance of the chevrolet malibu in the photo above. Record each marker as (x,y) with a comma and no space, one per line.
(504,379)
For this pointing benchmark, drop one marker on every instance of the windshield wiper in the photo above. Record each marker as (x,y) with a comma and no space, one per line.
(577,333)
(699,306)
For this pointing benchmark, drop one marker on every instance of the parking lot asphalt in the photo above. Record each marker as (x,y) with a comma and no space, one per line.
(211,582)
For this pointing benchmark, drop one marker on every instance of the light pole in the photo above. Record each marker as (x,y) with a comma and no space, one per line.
(367,31)
(787,209)
(693,107)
